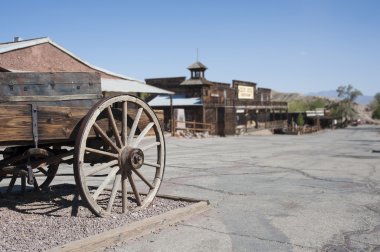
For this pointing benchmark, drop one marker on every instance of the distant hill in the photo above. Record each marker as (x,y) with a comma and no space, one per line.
(279,96)
(364,99)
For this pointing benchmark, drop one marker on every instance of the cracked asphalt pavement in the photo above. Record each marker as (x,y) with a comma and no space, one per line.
(318,192)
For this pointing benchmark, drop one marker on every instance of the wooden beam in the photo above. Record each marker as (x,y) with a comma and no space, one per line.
(42,98)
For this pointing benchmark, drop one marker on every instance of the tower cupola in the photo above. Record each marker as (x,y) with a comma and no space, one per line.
(197,70)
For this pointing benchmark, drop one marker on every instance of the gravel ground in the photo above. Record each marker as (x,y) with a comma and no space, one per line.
(39,221)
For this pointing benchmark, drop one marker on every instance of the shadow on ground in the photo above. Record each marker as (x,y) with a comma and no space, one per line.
(52,202)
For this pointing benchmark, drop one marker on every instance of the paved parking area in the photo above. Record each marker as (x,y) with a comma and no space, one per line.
(318,192)
(274,193)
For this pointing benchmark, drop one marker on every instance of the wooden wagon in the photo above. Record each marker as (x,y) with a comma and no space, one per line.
(115,143)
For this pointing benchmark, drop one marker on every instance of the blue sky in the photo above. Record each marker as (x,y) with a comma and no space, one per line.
(287,45)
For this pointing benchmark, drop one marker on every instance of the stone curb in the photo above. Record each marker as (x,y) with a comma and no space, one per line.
(101,241)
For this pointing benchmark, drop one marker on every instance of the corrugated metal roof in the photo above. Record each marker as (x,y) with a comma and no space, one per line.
(178,100)
(130,86)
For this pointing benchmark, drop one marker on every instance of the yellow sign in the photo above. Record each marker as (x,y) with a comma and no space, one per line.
(245,92)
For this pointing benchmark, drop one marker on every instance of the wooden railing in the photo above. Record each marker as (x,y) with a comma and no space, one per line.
(276,124)
(302,130)
(193,126)
(263,104)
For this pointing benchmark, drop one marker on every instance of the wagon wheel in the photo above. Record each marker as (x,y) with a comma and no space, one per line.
(133,153)
(49,173)
(14,157)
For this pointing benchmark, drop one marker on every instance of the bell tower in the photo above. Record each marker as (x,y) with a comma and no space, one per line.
(197,70)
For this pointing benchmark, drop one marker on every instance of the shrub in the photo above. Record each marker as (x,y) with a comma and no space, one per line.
(376,113)
(300,120)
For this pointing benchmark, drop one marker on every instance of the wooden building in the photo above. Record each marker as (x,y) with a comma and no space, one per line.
(222,108)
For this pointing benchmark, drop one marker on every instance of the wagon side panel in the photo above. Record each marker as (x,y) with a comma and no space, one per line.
(59,101)
(15,123)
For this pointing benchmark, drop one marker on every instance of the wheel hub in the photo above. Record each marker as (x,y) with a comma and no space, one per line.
(131,158)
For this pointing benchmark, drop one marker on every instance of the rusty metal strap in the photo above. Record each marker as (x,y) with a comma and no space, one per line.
(37,98)
(35,124)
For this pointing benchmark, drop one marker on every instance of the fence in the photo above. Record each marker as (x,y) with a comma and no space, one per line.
(193,126)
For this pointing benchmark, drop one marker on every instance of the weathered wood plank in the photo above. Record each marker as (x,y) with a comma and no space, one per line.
(25,78)
(49,84)
(50,89)
(54,122)
(43,98)
(59,122)
(103,240)
(15,123)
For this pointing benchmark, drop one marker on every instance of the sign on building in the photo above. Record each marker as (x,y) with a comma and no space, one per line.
(245,92)
(315,113)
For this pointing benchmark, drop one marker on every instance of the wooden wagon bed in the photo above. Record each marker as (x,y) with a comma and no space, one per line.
(59,101)
(52,118)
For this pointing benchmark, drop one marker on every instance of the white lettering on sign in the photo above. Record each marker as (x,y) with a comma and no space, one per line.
(315,113)
(245,92)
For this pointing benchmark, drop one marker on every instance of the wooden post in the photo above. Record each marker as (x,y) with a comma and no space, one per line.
(172,115)
(246,117)
(216,121)
(287,117)
(318,124)
(204,114)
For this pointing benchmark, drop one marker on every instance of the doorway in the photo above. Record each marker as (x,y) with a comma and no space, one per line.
(220,122)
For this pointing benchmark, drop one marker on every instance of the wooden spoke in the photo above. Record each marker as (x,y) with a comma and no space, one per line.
(41,169)
(104,153)
(101,167)
(134,125)
(134,189)
(143,178)
(35,184)
(142,134)
(115,188)
(114,127)
(124,191)
(124,126)
(152,164)
(50,174)
(150,146)
(105,137)
(44,169)
(12,183)
(23,184)
(103,185)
